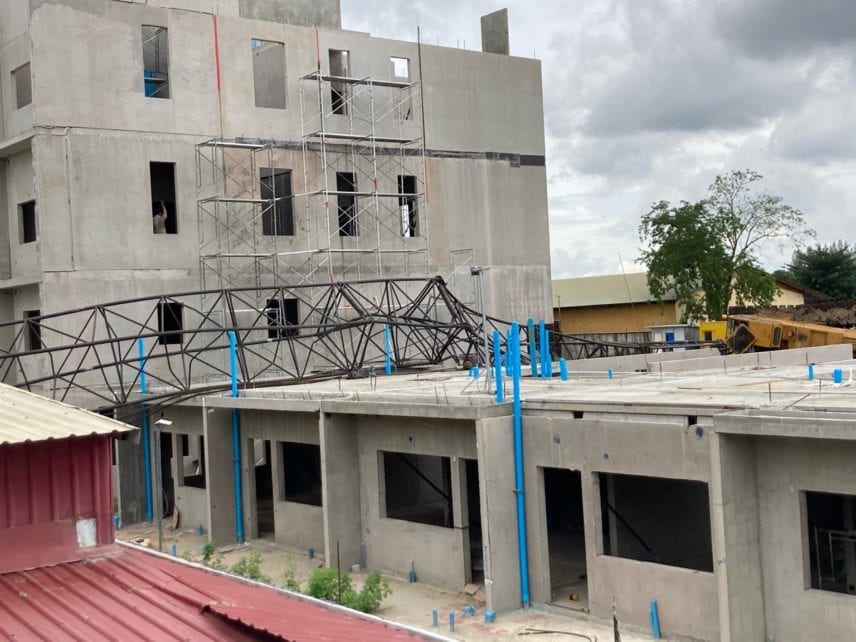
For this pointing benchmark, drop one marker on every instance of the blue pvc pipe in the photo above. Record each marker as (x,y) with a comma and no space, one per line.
(236,441)
(563,368)
(533,352)
(655,619)
(144,436)
(542,336)
(518,469)
(497,364)
(811,372)
(387,368)
(508,351)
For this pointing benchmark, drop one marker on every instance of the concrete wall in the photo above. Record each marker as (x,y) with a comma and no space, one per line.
(295,524)
(14,52)
(307,13)
(392,544)
(20,188)
(667,450)
(785,468)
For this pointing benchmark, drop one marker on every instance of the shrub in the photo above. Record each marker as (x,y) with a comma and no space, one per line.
(323,584)
(249,566)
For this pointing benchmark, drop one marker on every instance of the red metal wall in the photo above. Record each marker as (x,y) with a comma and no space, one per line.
(45,487)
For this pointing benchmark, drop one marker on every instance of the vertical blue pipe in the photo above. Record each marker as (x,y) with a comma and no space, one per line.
(533,352)
(236,441)
(144,437)
(497,364)
(563,368)
(655,620)
(548,357)
(387,368)
(508,352)
(542,336)
(518,467)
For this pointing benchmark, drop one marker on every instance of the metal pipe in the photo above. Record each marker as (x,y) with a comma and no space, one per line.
(655,619)
(387,345)
(236,442)
(533,350)
(497,364)
(563,369)
(144,431)
(518,468)
(542,338)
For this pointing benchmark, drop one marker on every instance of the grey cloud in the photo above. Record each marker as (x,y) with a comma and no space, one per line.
(774,28)
(822,132)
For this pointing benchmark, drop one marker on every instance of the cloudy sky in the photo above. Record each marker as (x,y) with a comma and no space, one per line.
(650,99)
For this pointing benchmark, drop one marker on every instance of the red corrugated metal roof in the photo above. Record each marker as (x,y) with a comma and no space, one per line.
(128,594)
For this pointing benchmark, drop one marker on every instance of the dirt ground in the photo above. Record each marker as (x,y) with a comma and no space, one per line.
(410,603)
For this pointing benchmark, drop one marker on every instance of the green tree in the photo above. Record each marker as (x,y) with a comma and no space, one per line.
(707,252)
(830,269)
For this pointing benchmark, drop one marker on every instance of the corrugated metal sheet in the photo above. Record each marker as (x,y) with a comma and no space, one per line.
(127,594)
(611,289)
(25,417)
(45,487)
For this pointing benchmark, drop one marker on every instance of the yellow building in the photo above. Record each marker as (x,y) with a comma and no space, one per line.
(620,303)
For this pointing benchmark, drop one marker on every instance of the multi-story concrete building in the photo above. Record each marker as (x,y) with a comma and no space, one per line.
(152,147)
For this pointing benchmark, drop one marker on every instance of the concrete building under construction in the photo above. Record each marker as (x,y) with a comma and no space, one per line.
(175,146)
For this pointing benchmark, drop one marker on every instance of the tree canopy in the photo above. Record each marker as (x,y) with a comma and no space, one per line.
(830,269)
(707,252)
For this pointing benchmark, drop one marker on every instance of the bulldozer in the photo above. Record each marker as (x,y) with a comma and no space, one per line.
(751,332)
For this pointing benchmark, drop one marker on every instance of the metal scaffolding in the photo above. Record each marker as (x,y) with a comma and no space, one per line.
(354,208)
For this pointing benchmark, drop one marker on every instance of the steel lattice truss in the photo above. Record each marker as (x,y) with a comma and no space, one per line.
(98,356)
(286,334)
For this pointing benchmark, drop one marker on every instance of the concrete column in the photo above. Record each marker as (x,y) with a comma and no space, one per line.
(340,484)
(498,512)
(248,471)
(461,512)
(132,480)
(217,428)
(735,529)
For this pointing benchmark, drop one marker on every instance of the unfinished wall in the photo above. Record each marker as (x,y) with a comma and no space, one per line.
(785,467)
(642,447)
(393,544)
(306,13)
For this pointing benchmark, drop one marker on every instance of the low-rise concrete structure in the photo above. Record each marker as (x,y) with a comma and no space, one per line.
(721,487)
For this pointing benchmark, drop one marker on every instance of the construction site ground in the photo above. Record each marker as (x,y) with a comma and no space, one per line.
(410,603)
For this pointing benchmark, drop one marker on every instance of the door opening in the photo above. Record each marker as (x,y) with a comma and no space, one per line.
(566,544)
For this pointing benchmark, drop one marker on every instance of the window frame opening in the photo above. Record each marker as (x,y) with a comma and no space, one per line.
(197,479)
(276,189)
(656,519)
(346,204)
(408,204)
(301,479)
(829,541)
(162,189)
(28,226)
(33,330)
(270,80)
(22,85)
(416,488)
(282,313)
(340,67)
(155,55)
(170,323)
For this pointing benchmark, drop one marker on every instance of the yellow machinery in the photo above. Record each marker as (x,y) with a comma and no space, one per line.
(747,332)
(712,330)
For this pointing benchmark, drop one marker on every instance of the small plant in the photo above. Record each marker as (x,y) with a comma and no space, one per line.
(208,551)
(327,584)
(249,566)
(290,581)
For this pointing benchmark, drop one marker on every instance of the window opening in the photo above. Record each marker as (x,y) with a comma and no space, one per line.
(474,516)
(347,203)
(401,73)
(340,67)
(170,322)
(265,516)
(418,488)
(27,226)
(302,463)
(407,206)
(155,62)
(23,85)
(653,519)
(269,73)
(280,314)
(162,185)
(192,461)
(33,329)
(278,212)
(830,535)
